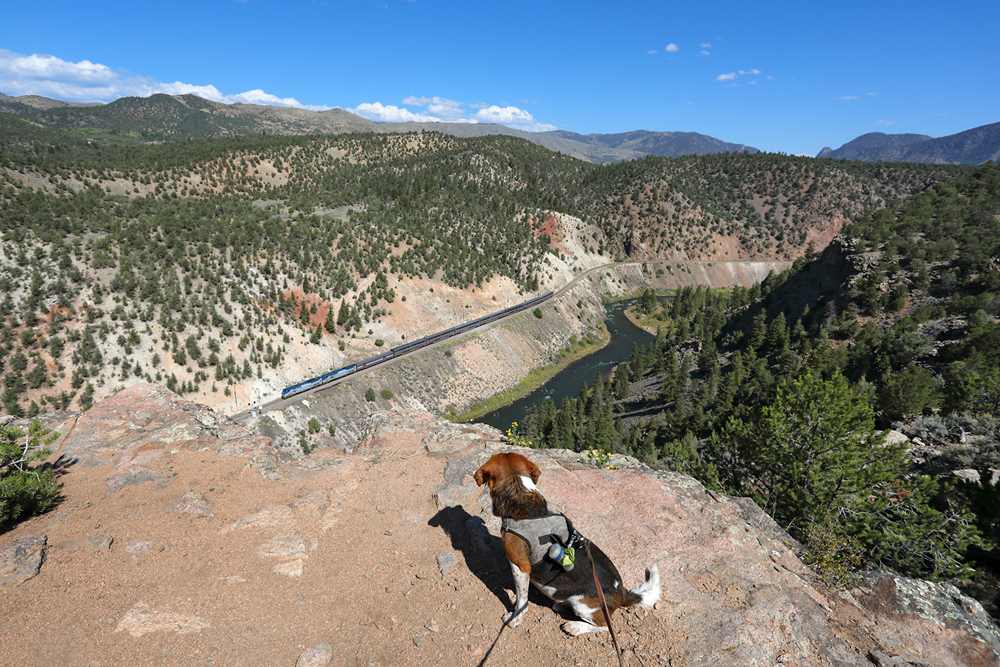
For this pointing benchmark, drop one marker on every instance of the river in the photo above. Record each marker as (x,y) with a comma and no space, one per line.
(568,382)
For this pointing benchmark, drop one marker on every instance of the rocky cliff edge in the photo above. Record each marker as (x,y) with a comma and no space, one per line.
(184,539)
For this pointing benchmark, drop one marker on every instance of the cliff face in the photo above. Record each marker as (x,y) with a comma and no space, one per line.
(185,539)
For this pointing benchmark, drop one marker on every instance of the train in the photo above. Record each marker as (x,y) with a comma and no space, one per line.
(406,348)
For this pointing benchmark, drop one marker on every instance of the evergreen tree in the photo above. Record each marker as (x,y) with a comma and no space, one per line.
(812,458)
(777,333)
(25,491)
(758,330)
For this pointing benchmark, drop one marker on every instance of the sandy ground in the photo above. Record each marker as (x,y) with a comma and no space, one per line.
(216,565)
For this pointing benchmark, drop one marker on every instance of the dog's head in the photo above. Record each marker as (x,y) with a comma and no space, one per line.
(504,467)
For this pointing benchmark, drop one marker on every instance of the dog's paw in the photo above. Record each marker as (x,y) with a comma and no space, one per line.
(513,619)
(577,628)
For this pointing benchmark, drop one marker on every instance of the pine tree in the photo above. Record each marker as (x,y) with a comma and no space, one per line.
(812,458)
(25,491)
(758,330)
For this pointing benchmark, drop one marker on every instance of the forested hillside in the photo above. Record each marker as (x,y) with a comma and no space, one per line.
(203,263)
(753,206)
(780,391)
(162,117)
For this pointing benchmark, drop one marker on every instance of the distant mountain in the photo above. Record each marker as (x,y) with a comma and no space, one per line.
(870,141)
(974,146)
(665,144)
(161,117)
(588,152)
(597,148)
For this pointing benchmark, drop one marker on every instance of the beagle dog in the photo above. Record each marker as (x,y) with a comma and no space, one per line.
(544,548)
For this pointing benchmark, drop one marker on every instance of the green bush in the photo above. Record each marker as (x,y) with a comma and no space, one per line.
(387,394)
(813,460)
(25,491)
(538,313)
(370,395)
(313,425)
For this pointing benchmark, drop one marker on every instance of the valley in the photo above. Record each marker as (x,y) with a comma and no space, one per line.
(862,296)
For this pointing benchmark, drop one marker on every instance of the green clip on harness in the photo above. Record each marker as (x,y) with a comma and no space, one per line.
(551,536)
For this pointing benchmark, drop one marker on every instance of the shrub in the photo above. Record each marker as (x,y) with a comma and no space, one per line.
(379,342)
(313,425)
(537,312)
(387,394)
(813,456)
(929,429)
(370,395)
(24,491)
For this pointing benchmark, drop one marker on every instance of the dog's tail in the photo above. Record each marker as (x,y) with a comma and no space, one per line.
(647,593)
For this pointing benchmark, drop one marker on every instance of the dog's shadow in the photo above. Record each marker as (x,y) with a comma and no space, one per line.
(483,552)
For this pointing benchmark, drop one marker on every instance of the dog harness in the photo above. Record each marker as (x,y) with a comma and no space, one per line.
(542,532)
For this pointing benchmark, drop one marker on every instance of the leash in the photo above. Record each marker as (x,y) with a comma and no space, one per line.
(502,628)
(604,605)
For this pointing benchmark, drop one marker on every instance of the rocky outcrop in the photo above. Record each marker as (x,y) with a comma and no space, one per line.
(221,550)
(21,559)
(732,586)
(930,623)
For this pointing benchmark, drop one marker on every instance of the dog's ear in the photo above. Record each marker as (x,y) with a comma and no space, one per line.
(533,471)
(482,475)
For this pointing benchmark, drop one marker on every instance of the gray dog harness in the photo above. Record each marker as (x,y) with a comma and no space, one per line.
(541,533)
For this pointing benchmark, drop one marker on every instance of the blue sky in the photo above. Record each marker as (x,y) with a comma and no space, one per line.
(781,76)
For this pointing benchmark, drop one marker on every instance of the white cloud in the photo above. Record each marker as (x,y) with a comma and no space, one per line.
(438,107)
(871,94)
(704,53)
(512,117)
(85,81)
(649,53)
(390,114)
(886,123)
(731,76)
(671,48)
(441,110)
(849,97)
(706,45)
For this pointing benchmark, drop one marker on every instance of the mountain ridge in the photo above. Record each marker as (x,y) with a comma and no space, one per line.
(975,146)
(162,116)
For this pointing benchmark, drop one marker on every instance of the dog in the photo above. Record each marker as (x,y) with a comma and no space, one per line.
(544,548)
